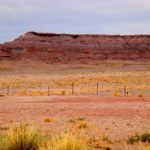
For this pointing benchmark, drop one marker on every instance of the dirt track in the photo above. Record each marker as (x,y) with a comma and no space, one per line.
(116,116)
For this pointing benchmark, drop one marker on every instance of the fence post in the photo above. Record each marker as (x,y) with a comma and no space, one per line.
(125,90)
(48,90)
(97,88)
(72,86)
(8,90)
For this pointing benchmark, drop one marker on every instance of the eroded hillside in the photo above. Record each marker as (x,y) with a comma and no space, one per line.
(67,48)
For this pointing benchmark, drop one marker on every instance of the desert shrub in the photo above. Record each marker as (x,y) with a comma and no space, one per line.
(22,138)
(81,118)
(73,121)
(63,92)
(82,125)
(117,94)
(106,139)
(4,128)
(145,137)
(48,120)
(133,139)
(76,120)
(67,142)
(99,143)
(140,95)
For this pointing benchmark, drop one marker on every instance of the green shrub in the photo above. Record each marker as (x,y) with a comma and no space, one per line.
(22,138)
(145,137)
(133,139)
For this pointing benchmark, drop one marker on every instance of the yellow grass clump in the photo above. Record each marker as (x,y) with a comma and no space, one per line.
(22,138)
(67,142)
(82,125)
(48,120)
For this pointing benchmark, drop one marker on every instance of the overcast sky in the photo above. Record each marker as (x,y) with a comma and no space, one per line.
(73,16)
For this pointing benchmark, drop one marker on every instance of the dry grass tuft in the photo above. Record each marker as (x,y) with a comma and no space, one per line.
(4,128)
(63,92)
(67,142)
(48,120)
(140,95)
(22,138)
(82,125)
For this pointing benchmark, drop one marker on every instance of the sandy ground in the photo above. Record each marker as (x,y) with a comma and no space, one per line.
(118,117)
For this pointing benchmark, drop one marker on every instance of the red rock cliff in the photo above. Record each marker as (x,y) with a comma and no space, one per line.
(77,48)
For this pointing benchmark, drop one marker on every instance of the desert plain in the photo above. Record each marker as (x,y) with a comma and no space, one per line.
(41,96)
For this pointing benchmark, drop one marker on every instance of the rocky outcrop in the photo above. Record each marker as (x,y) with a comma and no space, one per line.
(65,48)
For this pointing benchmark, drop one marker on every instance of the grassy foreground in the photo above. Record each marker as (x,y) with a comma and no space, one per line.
(23,137)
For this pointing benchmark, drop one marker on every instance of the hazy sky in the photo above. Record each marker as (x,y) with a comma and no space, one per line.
(74,16)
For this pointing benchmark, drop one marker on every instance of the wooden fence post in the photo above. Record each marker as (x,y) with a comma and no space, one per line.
(72,87)
(48,90)
(125,90)
(8,90)
(97,88)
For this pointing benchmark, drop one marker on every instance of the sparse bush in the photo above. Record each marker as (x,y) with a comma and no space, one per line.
(106,139)
(48,120)
(76,120)
(4,128)
(99,143)
(63,92)
(82,125)
(73,121)
(145,138)
(117,94)
(22,138)
(81,118)
(133,139)
(67,142)
(140,95)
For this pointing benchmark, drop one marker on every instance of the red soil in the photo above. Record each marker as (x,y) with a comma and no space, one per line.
(117,116)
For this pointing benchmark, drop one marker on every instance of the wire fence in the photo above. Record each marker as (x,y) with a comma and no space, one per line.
(73,89)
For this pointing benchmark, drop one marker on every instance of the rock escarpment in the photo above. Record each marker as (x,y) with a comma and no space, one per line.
(65,48)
